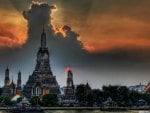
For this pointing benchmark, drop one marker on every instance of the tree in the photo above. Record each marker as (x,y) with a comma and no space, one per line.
(134,97)
(84,95)
(98,96)
(146,97)
(35,100)
(6,100)
(1,99)
(50,100)
(19,99)
(1,91)
(80,93)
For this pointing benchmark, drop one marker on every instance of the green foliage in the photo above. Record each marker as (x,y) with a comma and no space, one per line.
(6,100)
(120,94)
(35,100)
(19,99)
(1,99)
(50,100)
(98,96)
(146,97)
(1,91)
(80,93)
(84,96)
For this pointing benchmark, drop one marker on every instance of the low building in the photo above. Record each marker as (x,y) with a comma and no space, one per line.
(109,103)
(138,88)
(147,88)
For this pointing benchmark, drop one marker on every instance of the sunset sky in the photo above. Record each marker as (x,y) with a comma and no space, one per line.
(108,40)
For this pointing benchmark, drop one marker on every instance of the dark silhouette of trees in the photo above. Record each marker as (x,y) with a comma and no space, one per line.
(50,100)
(84,95)
(1,91)
(120,94)
(35,101)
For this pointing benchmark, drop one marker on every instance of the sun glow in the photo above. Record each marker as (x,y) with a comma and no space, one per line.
(13,30)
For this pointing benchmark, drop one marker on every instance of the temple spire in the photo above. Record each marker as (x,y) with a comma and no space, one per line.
(18,89)
(7,80)
(43,39)
(19,79)
(69,77)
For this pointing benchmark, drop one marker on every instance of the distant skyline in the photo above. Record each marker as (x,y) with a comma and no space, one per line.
(104,42)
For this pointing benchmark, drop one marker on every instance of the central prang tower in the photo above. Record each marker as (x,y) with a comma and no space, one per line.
(43,65)
(42,81)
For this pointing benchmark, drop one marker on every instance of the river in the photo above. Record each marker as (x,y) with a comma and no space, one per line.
(85,111)
(91,111)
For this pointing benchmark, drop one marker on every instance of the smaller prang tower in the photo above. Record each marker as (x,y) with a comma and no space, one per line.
(9,89)
(69,90)
(7,80)
(70,79)
(18,89)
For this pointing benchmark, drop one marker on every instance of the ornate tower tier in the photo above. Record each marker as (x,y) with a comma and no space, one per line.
(70,79)
(70,86)
(42,81)
(7,80)
(43,63)
(69,93)
(18,89)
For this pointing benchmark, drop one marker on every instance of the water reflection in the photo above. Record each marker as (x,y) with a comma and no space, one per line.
(85,111)
(91,111)
(144,111)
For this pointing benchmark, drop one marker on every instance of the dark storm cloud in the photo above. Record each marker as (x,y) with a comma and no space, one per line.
(66,49)
(39,14)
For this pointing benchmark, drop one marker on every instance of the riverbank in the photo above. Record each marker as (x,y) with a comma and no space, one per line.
(80,108)
(59,108)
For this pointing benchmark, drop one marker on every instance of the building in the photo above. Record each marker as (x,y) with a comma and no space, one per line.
(68,96)
(10,89)
(147,88)
(138,88)
(42,81)
(18,88)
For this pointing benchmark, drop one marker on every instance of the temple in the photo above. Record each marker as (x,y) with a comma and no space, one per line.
(147,88)
(42,81)
(10,89)
(68,98)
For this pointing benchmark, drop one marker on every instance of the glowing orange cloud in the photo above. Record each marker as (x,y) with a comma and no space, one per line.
(110,44)
(12,36)
(59,30)
(115,32)
(13,30)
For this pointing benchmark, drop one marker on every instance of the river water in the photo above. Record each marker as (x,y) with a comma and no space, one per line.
(91,111)
(85,111)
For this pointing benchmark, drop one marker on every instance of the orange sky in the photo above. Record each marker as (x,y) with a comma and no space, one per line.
(104,25)
(102,30)
(13,28)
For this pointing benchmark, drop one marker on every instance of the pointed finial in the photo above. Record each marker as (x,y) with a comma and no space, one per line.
(12,79)
(87,83)
(43,29)
(68,68)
